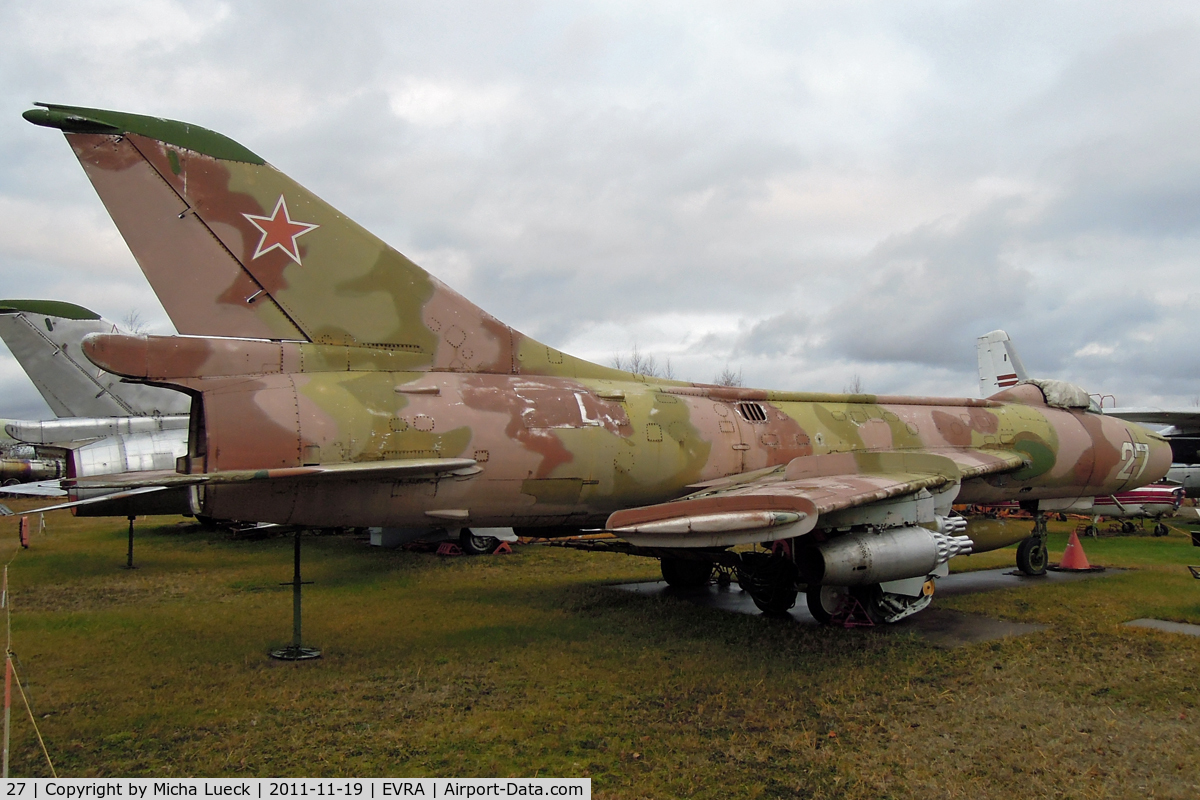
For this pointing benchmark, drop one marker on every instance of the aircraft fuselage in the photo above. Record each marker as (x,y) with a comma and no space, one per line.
(554,451)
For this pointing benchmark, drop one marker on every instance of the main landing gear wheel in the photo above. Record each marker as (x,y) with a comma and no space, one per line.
(888,607)
(1032,556)
(474,545)
(770,581)
(682,573)
(879,607)
(1127,527)
(825,601)
(1160,529)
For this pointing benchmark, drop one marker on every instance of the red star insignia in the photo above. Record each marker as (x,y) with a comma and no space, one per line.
(279,231)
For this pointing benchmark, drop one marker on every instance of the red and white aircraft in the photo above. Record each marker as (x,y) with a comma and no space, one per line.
(1149,502)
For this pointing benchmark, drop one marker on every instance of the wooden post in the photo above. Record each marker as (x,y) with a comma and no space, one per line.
(8,672)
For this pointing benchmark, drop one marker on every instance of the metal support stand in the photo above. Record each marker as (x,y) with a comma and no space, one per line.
(129,560)
(294,651)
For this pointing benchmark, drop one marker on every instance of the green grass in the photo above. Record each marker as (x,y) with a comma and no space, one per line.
(528,664)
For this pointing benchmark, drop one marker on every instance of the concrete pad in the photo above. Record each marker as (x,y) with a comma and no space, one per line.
(990,580)
(944,628)
(1162,625)
(938,627)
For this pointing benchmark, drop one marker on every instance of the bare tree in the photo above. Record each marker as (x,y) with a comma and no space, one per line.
(855,386)
(134,322)
(729,378)
(640,363)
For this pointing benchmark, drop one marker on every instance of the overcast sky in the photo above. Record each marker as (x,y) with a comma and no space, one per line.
(805,192)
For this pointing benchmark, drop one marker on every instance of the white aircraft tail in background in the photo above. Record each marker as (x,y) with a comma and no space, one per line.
(44,336)
(104,424)
(999,365)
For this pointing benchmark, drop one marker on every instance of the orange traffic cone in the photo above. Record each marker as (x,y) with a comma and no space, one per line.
(1073,557)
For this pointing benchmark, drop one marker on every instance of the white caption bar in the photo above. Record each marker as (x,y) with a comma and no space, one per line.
(271,788)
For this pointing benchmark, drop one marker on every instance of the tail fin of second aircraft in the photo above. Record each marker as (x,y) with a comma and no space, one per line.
(233,247)
(999,365)
(45,337)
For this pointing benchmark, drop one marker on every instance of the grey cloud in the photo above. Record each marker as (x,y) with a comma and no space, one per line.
(921,297)
(866,188)
(778,335)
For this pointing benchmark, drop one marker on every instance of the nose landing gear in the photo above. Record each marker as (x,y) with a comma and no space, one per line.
(1032,553)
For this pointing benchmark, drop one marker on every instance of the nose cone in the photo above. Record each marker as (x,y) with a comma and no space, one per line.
(1127,456)
(1160,456)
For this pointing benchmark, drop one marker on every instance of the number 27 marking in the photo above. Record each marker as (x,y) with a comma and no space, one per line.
(1130,453)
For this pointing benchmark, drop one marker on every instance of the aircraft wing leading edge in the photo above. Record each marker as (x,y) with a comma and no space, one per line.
(792,498)
(1185,421)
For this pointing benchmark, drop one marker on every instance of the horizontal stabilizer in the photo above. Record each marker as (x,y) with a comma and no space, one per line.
(104,498)
(50,488)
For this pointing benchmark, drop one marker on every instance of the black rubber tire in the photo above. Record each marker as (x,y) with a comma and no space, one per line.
(770,582)
(1161,530)
(1127,527)
(819,602)
(775,602)
(474,545)
(1091,530)
(682,573)
(1032,557)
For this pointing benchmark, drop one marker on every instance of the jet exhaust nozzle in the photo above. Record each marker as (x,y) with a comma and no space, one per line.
(878,556)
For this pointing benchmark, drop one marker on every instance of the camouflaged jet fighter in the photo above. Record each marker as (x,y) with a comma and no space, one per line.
(336,383)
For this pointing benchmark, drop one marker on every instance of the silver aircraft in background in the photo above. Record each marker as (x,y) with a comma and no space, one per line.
(103,425)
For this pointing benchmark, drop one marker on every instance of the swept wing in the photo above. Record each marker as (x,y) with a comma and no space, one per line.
(874,488)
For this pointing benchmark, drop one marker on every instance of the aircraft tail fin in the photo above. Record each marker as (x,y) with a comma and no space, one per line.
(999,365)
(233,247)
(45,338)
